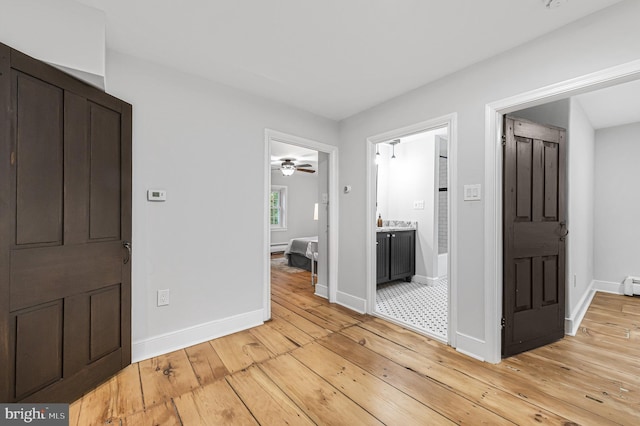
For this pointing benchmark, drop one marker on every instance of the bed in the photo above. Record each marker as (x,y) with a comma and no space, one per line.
(300,251)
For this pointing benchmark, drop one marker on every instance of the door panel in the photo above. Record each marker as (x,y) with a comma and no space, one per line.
(64,283)
(104,140)
(39,145)
(534,214)
(38,344)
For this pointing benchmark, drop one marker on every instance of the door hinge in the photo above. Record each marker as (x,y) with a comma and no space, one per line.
(504,140)
(503,322)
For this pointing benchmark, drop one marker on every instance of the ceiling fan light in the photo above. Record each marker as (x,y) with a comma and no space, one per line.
(287,169)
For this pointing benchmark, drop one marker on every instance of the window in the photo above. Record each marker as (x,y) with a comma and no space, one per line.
(278,203)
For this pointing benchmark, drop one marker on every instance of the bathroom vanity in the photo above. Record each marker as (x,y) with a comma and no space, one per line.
(395,253)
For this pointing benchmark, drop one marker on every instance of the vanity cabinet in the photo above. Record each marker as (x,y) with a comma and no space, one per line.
(395,255)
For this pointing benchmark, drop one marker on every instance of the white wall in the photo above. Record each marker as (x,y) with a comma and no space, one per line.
(617,201)
(302,194)
(408,178)
(205,243)
(581,177)
(63,33)
(596,42)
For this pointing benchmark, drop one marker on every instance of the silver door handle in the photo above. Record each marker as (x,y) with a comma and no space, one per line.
(127,245)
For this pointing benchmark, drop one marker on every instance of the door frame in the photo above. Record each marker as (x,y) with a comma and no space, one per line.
(451,122)
(493,181)
(332,220)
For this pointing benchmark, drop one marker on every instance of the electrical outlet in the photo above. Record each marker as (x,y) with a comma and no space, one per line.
(163,297)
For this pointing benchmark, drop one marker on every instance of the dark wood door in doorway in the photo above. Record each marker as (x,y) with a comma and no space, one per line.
(65,204)
(534,235)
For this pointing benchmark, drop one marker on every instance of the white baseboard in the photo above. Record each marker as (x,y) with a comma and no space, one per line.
(322,291)
(608,287)
(180,339)
(277,247)
(421,279)
(352,302)
(470,346)
(572,324)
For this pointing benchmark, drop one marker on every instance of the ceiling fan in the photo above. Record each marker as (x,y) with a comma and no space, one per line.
(287,167)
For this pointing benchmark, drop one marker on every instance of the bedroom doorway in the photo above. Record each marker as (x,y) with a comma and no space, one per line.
(411,257)
(301,198)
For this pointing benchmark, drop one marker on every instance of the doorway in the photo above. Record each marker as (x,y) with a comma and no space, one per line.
(494,180)
(324,220)
(411,255)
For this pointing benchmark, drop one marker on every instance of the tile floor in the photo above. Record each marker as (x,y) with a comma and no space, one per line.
(420,305)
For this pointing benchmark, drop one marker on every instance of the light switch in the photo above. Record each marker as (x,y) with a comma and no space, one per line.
(418,205)
(473,192)
(156,195)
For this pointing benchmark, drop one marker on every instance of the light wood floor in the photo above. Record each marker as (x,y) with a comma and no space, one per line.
(323,364)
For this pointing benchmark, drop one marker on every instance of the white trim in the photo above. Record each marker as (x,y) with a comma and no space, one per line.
(451,121)
(572,323)
(179,339)
(493,180)
(611,287)
(332,261)
(421,279)
(322,291)
(275,247)
(470,346)
(355,303)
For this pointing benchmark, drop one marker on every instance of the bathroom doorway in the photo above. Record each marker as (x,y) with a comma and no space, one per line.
(411,282)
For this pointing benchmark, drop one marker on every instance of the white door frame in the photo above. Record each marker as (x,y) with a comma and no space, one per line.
(450,121)
(493,180)
(332,220)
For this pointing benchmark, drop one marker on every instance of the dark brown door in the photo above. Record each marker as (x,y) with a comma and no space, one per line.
(65,204)
(534,230)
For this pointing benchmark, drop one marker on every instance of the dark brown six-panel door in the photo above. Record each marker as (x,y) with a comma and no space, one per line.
(534,229)
(65,204)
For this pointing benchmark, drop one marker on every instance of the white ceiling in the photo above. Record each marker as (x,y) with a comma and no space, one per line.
(334,58)
(613,106)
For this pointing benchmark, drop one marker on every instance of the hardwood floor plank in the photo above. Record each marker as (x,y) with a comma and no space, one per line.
(273,340)
(436,395)
(163,414)
(268,404)
(206,363)
(214,404)
(329,313)
(117,397)
(386,403)
(510,397)
(309,327)
(319,321)
(165,377)
(74,412)
(239,350)
(290,331)
(323,403)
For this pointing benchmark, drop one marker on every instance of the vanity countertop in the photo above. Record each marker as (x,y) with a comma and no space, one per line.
(394,228)
(397,225)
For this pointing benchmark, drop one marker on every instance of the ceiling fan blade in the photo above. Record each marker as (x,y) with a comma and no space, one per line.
(303,165)
(305,170)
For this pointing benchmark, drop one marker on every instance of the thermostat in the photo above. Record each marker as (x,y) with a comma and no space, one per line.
(156,195)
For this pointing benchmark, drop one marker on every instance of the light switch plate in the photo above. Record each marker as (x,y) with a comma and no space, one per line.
(156,195)
(473,192)
(418,205)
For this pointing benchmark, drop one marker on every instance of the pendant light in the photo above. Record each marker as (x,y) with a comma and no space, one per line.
(393,144)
